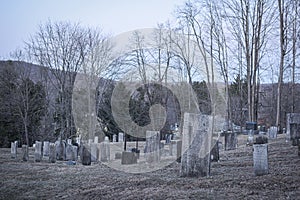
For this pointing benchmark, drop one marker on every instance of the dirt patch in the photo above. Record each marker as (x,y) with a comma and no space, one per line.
(231,178)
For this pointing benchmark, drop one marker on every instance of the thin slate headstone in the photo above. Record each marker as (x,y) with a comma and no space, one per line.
(230,140)
(38,151)
(60,150)
(70,156)
(272,132)
(25,155)
(52,153)
(214,155)
(96,139)
(86,155)
(105,150)
(121,137)
(114,138)
(46,148)
(196,144)
(152,148)
(94,152)
(14,149)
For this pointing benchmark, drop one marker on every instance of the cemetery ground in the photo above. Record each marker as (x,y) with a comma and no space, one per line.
(231,178)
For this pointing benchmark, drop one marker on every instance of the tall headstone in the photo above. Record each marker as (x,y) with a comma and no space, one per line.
(230,140)
(272,132)
(75,152)
(121,137)
(214,155)
(60,150)
(38,151)
(152,150)
(293,128)
(69,141)
(94,152)
(52,152)
(70,156)
(260,159)
(96,139)
(196,145)
(86,155)
(14,149)
(25,155)
(114,138)
(104,150)
(46,148)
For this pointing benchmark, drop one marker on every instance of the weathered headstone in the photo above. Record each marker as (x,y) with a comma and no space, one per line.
(260,159)
(196,145)
(69,141)
(272,132)
(14,149)
(293,128)
(25,155)
(114,138)
(46,148)
(86,155)
(70,155)
(60,150)
(52,152)
(152,148)
(230,140)
(96,139)
(104,150)
(38,151)
(121,137)
(128,158)
(214,155)
(78,140)
(94,152)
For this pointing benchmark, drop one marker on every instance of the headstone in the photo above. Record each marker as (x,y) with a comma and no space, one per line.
(96,139)
(293,128)
(152,148)
(114,138)
(60,150)
(173,148)
(78,140)
(179,150)
(128,158)
(230,140)
(52,152)
(118,155)
(90,141)
(46,148)
(38,151)
(272,132)
(86,155)
(196,145)
(70,156)
(214,155)
(121,137)
(260,159)
(69,141)
(94,152)
(25,155)
(13,149)
(104,150)
(75,152)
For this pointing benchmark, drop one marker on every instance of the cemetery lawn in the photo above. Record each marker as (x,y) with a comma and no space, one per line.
(231,178)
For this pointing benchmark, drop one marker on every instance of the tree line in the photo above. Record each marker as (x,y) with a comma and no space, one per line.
(242,43)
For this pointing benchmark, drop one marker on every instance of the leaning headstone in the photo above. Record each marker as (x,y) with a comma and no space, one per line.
(38,151)
(104,150)
(152,150)
(230,140)
(86,155)
(13,149)
(121,137)
(196,145)
(260,157)
(52,152)
(46,148)
(272,132)
(94,152)
(25,155)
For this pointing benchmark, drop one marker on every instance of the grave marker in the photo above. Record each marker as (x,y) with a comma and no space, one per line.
(46,148)
(105,150)
(13,149)
(25,156)
(86,155)
(52,152)
(152,148)
(38,151)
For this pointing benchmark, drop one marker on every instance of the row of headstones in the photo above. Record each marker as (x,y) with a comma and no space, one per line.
(68,152)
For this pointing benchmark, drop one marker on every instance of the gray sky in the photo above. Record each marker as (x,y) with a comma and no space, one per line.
(20,18)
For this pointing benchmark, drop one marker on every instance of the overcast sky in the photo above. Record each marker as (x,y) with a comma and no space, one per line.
(20,18)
